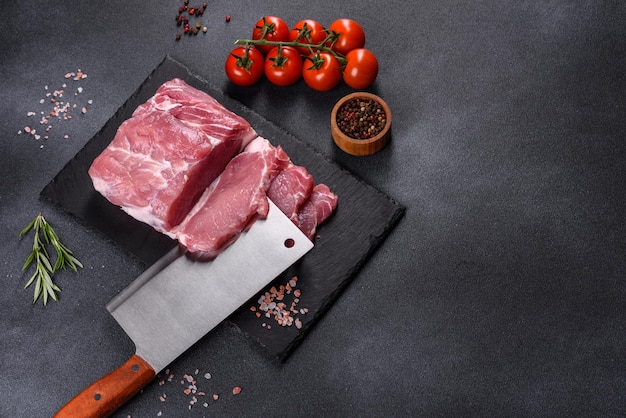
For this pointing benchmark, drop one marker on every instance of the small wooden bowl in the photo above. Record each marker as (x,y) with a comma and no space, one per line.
(360,147)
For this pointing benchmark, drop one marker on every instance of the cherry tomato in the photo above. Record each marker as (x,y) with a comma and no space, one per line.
(283,65)
(324,73)
(348,35)
(307,32)
(361,69)
(270,28)
(244,65)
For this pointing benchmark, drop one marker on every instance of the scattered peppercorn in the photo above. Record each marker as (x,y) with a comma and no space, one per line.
(185,12)
(228,18)
(361,118)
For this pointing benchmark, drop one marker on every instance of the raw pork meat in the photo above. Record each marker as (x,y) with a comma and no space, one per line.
(233,201)
(163,158)
(197,172)
(290,189)
(320,205)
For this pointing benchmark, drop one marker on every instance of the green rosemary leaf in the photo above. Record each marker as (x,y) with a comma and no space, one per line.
(58,263)
(45,227)
(44,292)
(32,278)
(45,288)
(28,261)
(37,292)
(28,228)
(50,290)
(75,263)
(41,258)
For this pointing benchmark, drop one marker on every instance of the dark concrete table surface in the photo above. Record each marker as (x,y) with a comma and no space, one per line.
(500,293)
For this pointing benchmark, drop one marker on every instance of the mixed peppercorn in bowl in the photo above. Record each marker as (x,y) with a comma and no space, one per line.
(361,123)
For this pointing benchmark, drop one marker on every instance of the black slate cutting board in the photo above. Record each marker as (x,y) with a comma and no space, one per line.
(362,220)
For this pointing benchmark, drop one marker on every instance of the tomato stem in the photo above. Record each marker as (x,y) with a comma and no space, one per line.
(316,61)
(279,60)
(316,47)
(244,61)
(266,28)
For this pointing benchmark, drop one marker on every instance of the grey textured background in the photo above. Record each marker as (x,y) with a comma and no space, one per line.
(500,293)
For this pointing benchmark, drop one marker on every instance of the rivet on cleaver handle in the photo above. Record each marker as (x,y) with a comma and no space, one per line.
(178,300)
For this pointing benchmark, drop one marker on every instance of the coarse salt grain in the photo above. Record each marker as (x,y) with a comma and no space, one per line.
(271,302)
(190,390)
(60,106)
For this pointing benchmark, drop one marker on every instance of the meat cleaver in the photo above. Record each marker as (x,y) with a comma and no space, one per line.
(177,300)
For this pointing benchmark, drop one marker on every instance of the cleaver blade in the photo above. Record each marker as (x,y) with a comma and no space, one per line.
(178,300)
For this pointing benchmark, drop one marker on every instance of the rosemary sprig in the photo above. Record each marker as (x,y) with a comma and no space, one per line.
(42,277)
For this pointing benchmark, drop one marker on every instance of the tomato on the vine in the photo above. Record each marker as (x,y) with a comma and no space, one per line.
(283,66)
(361,69)
(244,65)
(324,73)
(346,35)
(307,31)
(270,28)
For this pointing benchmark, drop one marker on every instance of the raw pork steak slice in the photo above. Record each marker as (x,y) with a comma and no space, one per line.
(320,205)
(290,189)
(163,157)
(233,201)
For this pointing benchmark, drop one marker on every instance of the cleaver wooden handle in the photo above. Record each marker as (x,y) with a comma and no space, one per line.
(110,392)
